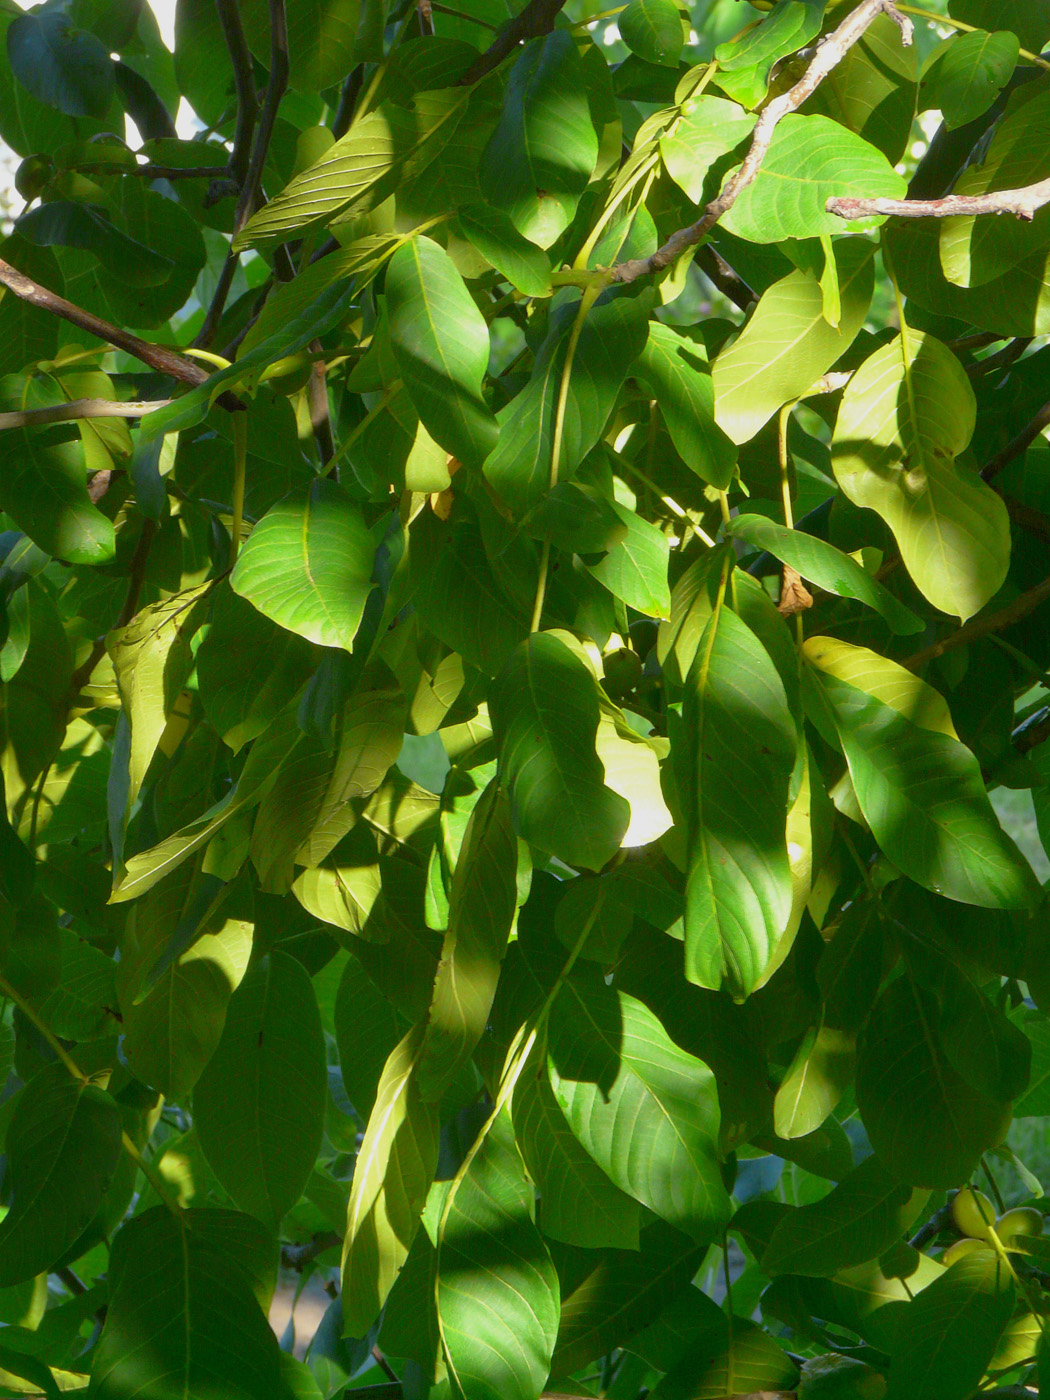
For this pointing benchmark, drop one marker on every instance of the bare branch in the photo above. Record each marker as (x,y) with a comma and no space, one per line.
(158,357)
(298,1256)
(244,83)
(830,51)
(535,20)
(275,90)
(1023,203)
(1021,443)
(721,275)
(80,408)
(999,621)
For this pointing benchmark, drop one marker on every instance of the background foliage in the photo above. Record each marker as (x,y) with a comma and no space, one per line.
(497,731)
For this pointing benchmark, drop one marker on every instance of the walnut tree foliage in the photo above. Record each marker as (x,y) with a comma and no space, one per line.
(497,722)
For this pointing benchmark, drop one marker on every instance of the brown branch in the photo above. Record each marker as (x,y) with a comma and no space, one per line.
(999,621)
(830,51)
(535,20)
(80,408)
(1022,203)
(1030,519)
(1002,359)
(297,1256)
(244,84)
(317,403)
(1020,444)
(721,275)
(276,86)
(157,357)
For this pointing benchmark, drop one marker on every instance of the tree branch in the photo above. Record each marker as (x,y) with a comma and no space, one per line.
(1002,359)
(999,621)
(297,1256)
(830,52)
(535,20)
(80,408)
(173,172)
(1020,444)
(276,85)
(1022,203)
(244,84)
(721,275)
(157,357)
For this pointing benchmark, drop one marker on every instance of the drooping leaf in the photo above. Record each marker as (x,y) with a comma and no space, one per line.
(62,1146)
(635,568)
(497,1290)
(905,415)
(675,373)
(441,345)
(920,790)
(60,63)
(732,1357)
(307,565)
(708,129)
(738,752)
(524,265)
(544,707)
(184,1316)
(903,1071)
(394,1171)
(746,60)
(258,1108)
(821,563)
(653,30)
(866,1213)
(965,77)
(788,344)
(613,1064)
(482,904)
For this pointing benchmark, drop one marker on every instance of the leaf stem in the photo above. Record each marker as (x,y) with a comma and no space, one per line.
(965,28)
(239,424)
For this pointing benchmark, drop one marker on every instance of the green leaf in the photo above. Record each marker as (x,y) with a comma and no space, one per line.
(43,489)
(875,89)
(816,1081)
(441,345)
(577,518)
(482,905)
(821,563)
(862,1217)
(152,661)
(184,1315)
(390,142)
(811,160)
(541,155)
(904,1077)
(920,790)
(744,63)
(578,1203)
(905,415)
(736,755)
(675,372)
(622,1293)
(612,336)
(635,568)
(497,1289)
(258,1108)
(67,224)
(965,77)
(614,1069)
(653,30)
(248,668)
(62,1147)
(731,1357)
(544,708)
(525,266)
(325,39)
(307,565)
(976,251)
(60,64)
(366,1031)
(952,1330)
(787,344)
(708,129)
(394,1171)
(1029,19)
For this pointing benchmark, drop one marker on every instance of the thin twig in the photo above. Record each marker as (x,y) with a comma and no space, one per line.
(173,172)
(1023,203)
(1030,519)
(1020,444)
(829,53)
(80,408)
(348,95)
(721,275)
(297,1256)
(317,403)
(244,84)
(535,20)
(1002,359)
(999,621)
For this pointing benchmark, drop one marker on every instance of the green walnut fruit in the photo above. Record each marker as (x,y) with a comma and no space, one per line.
(1022,1221)
(622,670)
(973,1213)
(959,1249)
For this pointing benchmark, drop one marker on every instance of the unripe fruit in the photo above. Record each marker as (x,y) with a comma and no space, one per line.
(1019,1222)
(959,1249)
(622,671)
(973,1213)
